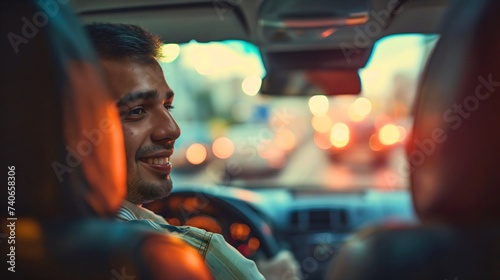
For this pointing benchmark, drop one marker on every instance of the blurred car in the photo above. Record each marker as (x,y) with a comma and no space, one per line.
(360,143)
(350,132)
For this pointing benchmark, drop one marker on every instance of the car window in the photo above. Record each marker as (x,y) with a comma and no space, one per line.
(233,135)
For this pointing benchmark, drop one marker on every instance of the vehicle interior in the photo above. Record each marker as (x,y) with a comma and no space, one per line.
(358,135)
(63,227)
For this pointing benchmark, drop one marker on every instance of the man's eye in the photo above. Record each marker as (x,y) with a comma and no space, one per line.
(136,111)
(169,107)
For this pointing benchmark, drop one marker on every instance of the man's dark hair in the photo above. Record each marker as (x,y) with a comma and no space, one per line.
(120,41)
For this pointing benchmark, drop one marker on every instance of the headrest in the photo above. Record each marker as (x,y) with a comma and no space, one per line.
(454,154)
(61,134)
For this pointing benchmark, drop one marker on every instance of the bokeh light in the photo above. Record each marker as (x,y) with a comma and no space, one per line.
(205,222)
(253,243)
(339,135)
(196,153)
(374,143)
(285,139)
(362,106)
(223,147)
(169,52)
(359,109)
(322,141)
(251,85)
(321,123)
(389,134)
(318,104)
(239,231)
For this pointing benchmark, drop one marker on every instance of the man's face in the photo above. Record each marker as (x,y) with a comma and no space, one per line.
(144,100)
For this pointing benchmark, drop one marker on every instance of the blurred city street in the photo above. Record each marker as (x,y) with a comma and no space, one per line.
(311,167)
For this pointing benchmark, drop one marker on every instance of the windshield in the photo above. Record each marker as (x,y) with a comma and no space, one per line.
(233,135)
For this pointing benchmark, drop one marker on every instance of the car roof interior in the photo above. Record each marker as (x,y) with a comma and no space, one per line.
(237,19)
(331,36)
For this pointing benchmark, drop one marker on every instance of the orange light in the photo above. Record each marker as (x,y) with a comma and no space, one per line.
(285,139)
(374,143)
(191,204)
(205,222)
(328,32)
(322,141)
(223,147)
(339,135)
(196,153)
(389,134)
(321,123)
(239,231)
(253,243)
(29,229)
(357,20)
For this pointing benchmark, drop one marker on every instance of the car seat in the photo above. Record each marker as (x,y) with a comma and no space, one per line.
(62,145)
(453,157)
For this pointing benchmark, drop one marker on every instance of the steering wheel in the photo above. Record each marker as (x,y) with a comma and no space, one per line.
(200,203)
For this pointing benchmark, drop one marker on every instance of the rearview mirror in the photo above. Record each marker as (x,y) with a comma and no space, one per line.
(311,82)
(308,72)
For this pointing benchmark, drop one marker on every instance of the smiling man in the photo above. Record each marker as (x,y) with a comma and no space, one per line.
(144,100)
(129,55)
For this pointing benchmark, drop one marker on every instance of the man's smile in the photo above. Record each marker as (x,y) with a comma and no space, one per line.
(159,161)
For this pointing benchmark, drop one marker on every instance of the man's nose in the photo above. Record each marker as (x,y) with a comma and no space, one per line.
(165,128)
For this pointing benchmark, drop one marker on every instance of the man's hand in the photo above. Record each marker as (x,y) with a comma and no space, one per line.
(282,267)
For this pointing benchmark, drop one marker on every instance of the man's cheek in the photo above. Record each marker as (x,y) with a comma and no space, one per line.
(129,140)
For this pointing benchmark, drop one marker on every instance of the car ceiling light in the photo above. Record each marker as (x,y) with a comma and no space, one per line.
(351,20)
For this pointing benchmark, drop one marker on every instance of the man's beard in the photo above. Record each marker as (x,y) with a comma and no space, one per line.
(140,191)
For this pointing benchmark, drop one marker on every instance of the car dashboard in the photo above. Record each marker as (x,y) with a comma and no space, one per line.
(259,222)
